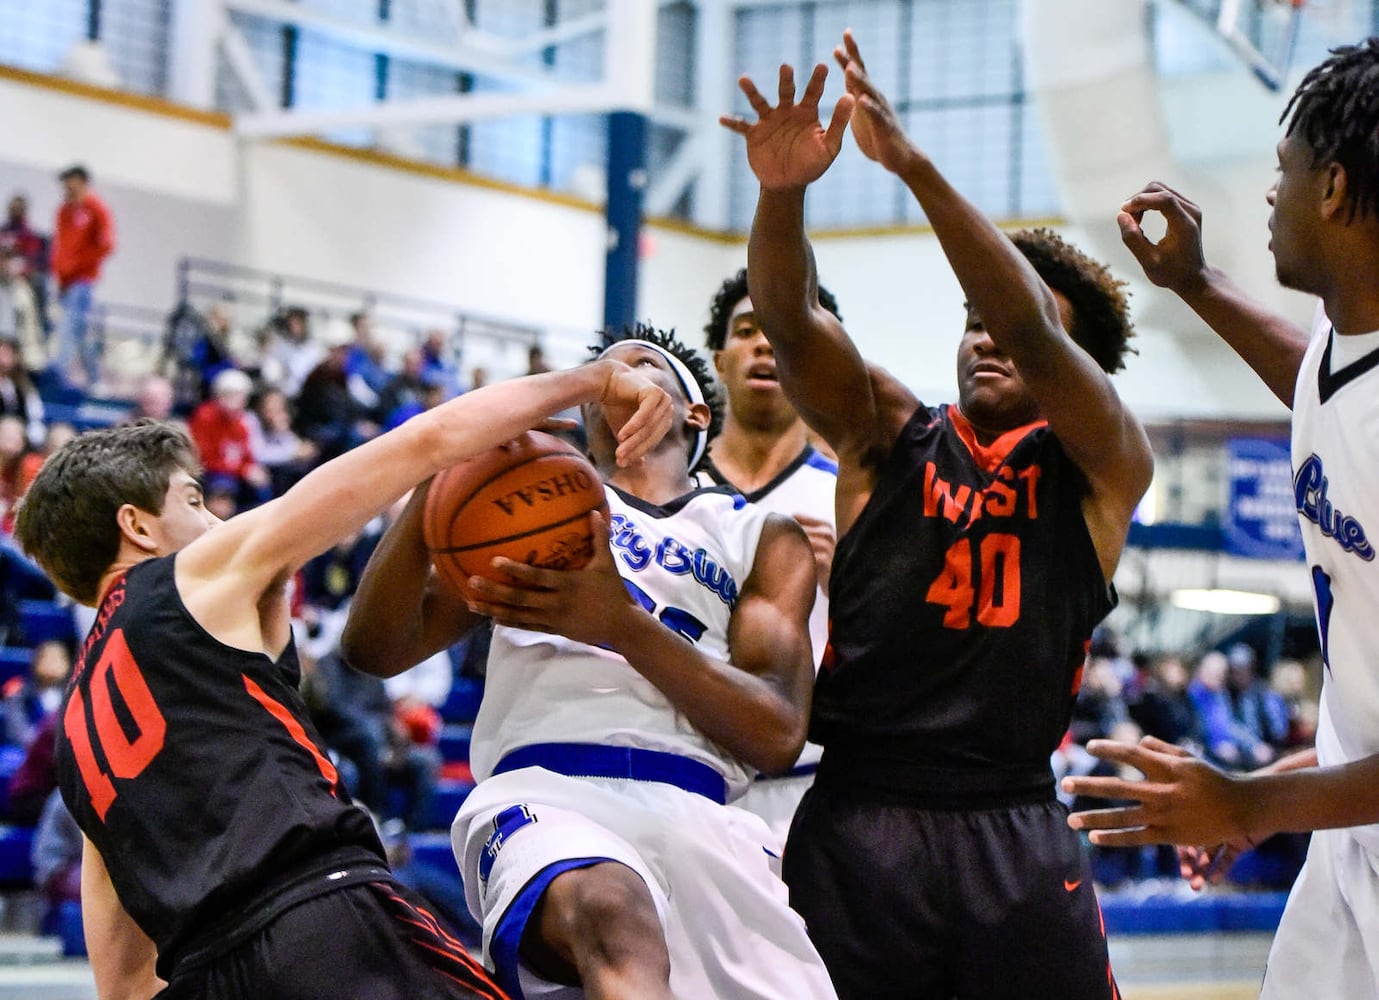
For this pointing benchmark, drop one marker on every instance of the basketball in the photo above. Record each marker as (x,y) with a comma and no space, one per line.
(528,500)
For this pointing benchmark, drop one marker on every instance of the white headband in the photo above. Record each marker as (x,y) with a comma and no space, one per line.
(688,384)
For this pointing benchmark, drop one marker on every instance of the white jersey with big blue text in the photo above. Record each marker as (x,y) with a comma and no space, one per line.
(686,563)
(1325,943)
(1336,488)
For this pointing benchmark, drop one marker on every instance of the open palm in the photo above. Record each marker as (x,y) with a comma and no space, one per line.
(787,146)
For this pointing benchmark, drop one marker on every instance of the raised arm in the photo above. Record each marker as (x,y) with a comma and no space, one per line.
(1270,344)
(401,613)
(122,955)
(820,369)
(237,563)
(1022,317)
(757,705)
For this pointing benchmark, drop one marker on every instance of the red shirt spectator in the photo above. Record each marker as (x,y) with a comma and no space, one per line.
(84,235)
(220,431)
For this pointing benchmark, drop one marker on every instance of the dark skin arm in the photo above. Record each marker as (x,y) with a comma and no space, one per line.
(1267,342)
(756,706)
(1185,800)
(1021,315)
(819,367)
(401,612)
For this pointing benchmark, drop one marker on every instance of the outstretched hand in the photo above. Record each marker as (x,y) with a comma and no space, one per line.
(638,411)
(579,604)
(874,124)
(787,146)
(1177,261)
(1183,800)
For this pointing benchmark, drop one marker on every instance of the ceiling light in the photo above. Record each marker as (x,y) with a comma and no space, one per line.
(1226,602)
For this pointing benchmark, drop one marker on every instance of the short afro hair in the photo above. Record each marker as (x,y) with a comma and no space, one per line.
(1101,309)
(733,291)
(688,356)
(1335,111)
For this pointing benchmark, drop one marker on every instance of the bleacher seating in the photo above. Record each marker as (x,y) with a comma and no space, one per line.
(40,621)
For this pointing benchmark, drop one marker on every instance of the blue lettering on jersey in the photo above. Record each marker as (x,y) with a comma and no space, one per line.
(505,824)
(672,556)
(1309,491)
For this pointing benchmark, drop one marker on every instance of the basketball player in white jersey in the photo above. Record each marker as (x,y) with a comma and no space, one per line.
(625,704)
(1325,229)
(764,453)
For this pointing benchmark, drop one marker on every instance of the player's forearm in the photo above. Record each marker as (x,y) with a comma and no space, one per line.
(1015,306)
(741,712)
(1312,798)
(1266,341)
(385,632)
(781,275)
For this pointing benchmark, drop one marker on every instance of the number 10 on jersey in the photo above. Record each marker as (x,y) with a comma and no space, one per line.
(993,597)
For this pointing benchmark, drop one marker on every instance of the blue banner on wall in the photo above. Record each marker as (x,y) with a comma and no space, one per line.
(1261,519)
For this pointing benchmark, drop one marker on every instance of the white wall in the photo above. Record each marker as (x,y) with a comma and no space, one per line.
(169,182)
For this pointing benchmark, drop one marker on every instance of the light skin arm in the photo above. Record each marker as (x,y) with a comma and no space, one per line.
(226,576)
(1184,800)
(401,613)
(1021,315)
(122,955)
(819,367)
(756,706)
(1270,344)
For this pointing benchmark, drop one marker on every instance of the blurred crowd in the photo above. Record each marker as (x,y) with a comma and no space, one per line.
(1225,704)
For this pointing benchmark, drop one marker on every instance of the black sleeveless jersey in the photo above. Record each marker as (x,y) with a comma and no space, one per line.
(192,766)
(962,601)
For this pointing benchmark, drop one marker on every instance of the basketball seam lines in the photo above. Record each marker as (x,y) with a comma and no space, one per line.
(488,543)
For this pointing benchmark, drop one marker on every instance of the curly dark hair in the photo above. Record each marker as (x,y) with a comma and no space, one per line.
(687,355)
(1101,310)
(733,291)
(1336,112)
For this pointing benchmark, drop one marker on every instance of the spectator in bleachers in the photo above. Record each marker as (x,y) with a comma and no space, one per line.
(290,354)
(478,377)
(153,399)
(32,248)
(18,395)
(20,319)
(36,777)
(403,396)
(29,699)
(358,720)
(59,433)
(221,433)
(1261,717)
(1289,680)
(1100,702)
(367,361)
(438,363)
(18,466)
(327,413)
(1164,710)
(82,239)
(1213,704)
(536,360)
(276,445)
(56,853)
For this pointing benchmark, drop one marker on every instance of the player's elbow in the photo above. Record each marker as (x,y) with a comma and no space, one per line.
(780,749)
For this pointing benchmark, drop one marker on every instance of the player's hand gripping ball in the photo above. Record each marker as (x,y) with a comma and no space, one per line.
(528,500)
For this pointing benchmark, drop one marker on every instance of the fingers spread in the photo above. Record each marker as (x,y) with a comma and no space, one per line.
(786,90)
(759,104)
(837,125)
(814,89)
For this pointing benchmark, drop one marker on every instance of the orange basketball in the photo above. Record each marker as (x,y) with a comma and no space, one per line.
(528,500)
